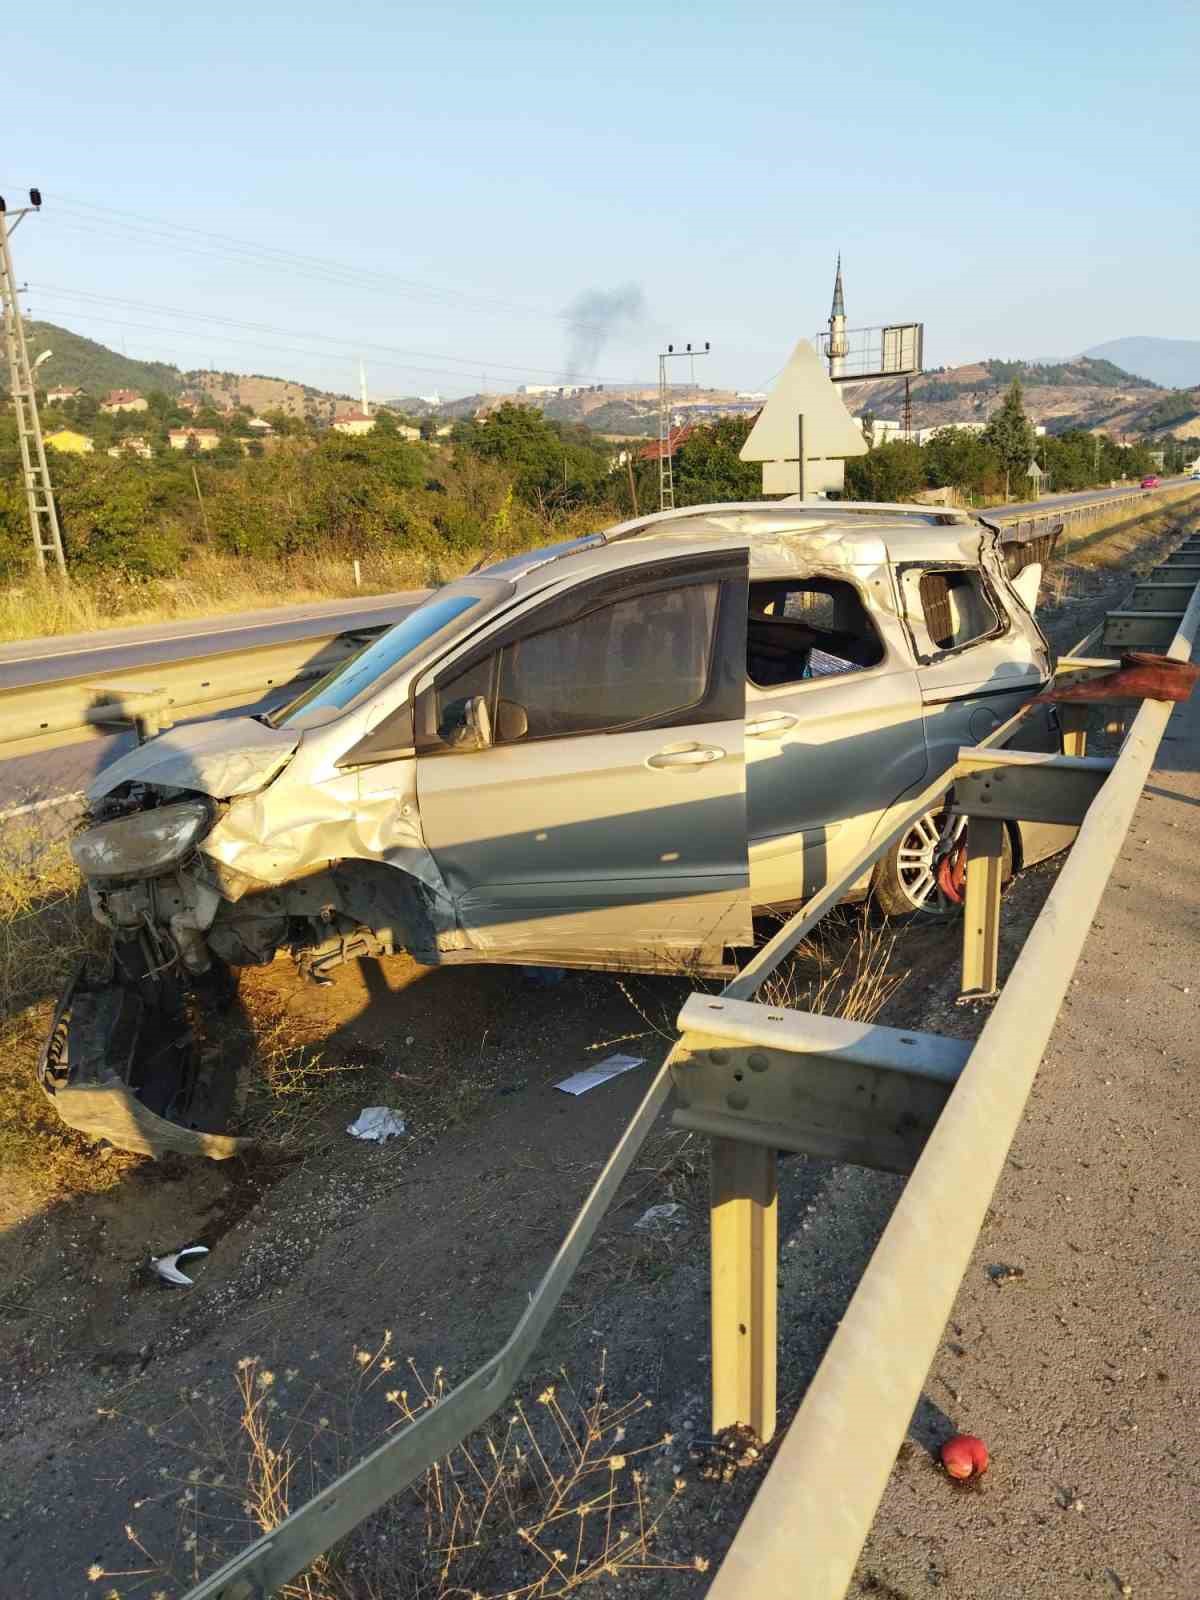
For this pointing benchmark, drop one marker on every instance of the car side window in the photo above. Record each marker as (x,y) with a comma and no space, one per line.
(626,662)
(799,629)
(956,608)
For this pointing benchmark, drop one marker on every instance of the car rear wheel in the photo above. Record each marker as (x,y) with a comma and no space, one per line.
(907,879)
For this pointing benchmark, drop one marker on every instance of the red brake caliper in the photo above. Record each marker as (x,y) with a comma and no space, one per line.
(952,873)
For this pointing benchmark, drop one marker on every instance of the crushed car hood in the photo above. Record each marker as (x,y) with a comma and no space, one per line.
(222,758)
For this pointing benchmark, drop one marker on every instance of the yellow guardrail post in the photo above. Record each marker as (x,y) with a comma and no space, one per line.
(745,1251)
(981,912)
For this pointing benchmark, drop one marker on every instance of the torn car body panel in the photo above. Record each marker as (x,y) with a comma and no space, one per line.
(222,758)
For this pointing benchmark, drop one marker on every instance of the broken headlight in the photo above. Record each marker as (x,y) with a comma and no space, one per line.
(141,845)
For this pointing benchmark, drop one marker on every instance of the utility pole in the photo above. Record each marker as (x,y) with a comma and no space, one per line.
(43,517)
(666,474)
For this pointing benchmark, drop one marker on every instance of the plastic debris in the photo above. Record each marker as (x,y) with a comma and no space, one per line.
(660,1216)
(592,1077)
(377,1123)
(167,1266)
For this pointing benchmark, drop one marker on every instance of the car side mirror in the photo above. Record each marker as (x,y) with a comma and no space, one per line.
(512,721)
(479,721)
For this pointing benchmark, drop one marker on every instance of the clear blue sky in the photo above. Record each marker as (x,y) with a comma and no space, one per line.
(1021,177)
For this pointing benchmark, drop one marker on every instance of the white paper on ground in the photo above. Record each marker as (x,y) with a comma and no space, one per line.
(668,1214)
(590,1077)
(377,1123)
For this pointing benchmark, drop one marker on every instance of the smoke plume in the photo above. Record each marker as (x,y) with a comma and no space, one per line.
(593,318)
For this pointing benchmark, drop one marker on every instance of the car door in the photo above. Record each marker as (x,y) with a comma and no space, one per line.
(602,820)
(834,729)
(980,655)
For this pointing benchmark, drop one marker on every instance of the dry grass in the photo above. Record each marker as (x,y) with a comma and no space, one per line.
(538,1504)
(213,585)
(289,1081)
(46,928)
(1110,541)
(216,584)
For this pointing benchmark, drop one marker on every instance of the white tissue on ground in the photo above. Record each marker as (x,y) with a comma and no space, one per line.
(377,1123)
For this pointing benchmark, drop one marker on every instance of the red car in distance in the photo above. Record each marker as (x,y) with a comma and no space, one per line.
(1151,481)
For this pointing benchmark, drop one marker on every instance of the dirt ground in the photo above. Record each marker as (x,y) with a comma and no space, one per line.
(119,1405)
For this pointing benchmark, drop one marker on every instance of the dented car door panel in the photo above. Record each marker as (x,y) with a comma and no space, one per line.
(574,832)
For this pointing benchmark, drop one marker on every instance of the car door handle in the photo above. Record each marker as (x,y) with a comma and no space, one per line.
(772,727)
(691,755)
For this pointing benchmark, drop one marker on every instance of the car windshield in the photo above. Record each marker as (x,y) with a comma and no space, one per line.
(346,682)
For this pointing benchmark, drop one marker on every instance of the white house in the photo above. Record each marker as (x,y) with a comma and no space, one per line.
(353,422)
(206,438)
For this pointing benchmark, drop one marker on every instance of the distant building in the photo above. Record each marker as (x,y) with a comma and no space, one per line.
(559,391)
(260,426)
(57,397)
(123,400)
(206,438)
(655,452)
(135,445)
(353,422)
(882,429)
(70,443)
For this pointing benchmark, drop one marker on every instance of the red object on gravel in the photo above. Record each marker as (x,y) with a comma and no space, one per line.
(965,1456)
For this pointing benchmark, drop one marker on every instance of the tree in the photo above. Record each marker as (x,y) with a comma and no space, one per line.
(890,472)
(1010,435)
(707,466)
(958,458)
(553,464)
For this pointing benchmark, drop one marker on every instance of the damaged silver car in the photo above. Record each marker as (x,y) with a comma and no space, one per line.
(607,753)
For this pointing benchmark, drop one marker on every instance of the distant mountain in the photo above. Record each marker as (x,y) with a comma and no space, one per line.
(79,363)
(1174,363)
(1087,392)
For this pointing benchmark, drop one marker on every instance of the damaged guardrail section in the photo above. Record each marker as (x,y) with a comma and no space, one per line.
(759,1079)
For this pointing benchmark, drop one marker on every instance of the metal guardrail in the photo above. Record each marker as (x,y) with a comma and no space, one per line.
(760,1079)
(43,716)
(39,717)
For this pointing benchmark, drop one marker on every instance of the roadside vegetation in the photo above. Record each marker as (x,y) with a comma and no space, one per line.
(155,533)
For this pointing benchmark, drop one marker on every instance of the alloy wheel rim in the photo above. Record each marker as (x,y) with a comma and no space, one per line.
(917,857)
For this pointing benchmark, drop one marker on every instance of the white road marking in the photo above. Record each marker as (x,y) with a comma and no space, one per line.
(41,805)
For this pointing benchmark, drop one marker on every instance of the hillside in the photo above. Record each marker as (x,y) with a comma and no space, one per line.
(260,394)
(1091,391)
(1175,363)
(81,363)
(1086,392)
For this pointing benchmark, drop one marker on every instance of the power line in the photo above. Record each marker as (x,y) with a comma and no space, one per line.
(473,362)
(350,351)
(199,241)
